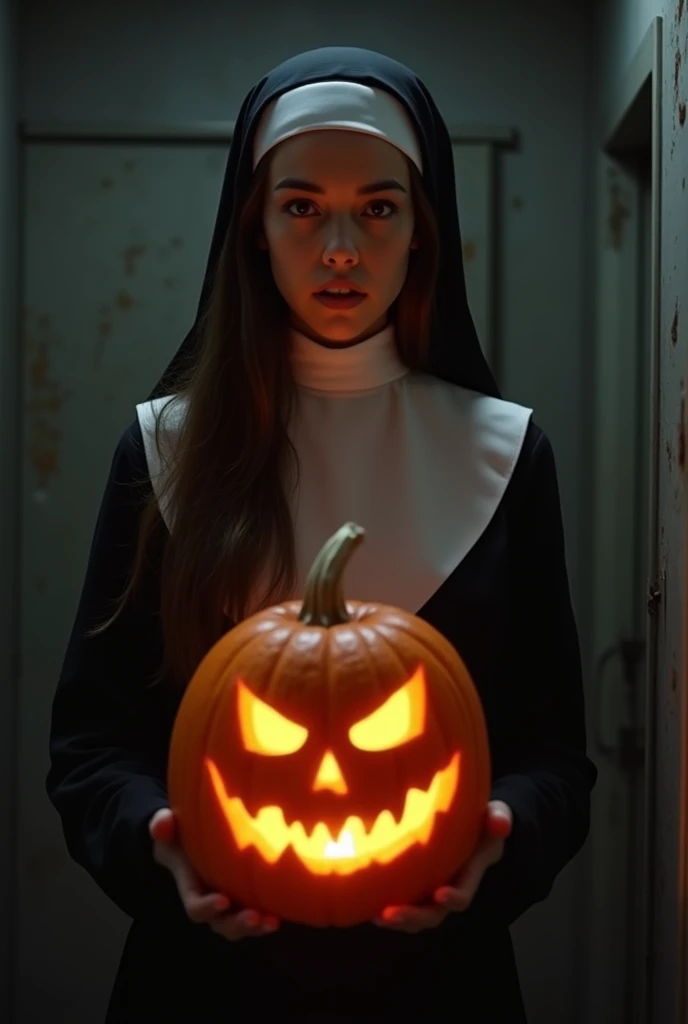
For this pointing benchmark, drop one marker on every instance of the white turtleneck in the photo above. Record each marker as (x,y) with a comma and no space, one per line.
(369,364)
(421,464)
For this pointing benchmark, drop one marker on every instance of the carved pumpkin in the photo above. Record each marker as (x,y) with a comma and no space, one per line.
(329,759)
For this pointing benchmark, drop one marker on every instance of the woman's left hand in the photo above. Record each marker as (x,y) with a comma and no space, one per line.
(457,897)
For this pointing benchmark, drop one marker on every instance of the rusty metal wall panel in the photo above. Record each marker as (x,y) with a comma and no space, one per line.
(116,238)
(115,241)
(668,948)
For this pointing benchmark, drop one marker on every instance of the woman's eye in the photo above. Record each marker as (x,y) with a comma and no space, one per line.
(290,207)
(377,204)
(378,209)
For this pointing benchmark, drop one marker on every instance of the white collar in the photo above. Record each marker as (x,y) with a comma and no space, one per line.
(369,364)
(420,463)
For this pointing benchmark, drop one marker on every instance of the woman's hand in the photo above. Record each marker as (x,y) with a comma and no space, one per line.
(202,907)
(457,897)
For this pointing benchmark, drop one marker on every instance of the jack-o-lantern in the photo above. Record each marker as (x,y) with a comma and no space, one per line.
(329,758)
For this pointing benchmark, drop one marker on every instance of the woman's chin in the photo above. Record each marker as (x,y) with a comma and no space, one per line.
(339,332)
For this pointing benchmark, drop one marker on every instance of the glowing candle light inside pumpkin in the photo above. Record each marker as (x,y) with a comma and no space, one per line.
(355,848)
(344,847)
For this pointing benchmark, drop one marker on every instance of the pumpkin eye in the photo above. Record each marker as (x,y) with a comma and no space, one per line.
(264,730)
(400,719)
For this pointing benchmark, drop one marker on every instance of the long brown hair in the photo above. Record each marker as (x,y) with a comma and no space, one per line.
(228,475)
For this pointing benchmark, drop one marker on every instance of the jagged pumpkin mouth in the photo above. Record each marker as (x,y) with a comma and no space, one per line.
(353,848)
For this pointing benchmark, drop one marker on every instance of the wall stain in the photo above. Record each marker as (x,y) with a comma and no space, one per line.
(469,250)
(618,213)
(682,436)
(517,203)
(669,455)
(674,326)
(674,680)
(124,300)
(682,114)
(129,165)
(679,13)
(170,282)
(104,332)
(677,73)
(167,248)
(131,254)
(107,183)
(46,397)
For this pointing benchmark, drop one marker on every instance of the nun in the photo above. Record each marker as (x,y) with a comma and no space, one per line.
(332,374)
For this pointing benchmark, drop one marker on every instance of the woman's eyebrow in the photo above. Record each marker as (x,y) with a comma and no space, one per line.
(388,184)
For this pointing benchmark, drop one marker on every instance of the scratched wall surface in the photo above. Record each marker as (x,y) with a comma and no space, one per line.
(486,64)
(619,29)
(114,241)
(669,927)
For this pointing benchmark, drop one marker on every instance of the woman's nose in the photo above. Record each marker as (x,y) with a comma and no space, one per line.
(340,248)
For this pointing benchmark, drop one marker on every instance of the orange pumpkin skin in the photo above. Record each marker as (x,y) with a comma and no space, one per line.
(327,682)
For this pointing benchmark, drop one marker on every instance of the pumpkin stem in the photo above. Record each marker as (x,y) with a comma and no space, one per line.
(323,602)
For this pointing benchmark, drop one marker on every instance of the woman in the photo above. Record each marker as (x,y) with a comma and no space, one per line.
(292,407)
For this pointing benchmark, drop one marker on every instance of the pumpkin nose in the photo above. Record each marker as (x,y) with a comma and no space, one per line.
(329,775)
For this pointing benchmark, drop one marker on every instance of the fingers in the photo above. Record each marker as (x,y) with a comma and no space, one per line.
(459,897)
(244,925)
(411,919)
(202,907)
(498,820)
(162,826)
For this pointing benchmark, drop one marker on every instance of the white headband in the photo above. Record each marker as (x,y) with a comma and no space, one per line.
(348,106)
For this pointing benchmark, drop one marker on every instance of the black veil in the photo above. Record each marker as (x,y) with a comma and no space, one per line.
(455,353)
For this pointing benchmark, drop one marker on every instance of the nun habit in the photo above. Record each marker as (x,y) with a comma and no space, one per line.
(435,465)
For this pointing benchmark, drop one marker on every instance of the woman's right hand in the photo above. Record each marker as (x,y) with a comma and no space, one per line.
(201,906)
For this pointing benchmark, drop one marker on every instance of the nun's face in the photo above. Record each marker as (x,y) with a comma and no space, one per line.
(338,214)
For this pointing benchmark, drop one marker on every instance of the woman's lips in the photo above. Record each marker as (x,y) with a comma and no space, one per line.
(340,301)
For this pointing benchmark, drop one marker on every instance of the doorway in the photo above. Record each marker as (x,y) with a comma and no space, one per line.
(625,516)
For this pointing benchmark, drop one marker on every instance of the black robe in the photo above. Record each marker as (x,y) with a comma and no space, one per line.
(507,610)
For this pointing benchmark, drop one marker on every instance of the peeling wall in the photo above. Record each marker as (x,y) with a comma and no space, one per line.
(619,29)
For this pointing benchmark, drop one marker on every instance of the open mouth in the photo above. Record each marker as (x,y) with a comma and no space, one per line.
(340,298)
(353,848)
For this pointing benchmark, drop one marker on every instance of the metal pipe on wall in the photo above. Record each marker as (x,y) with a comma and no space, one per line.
(203,132)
